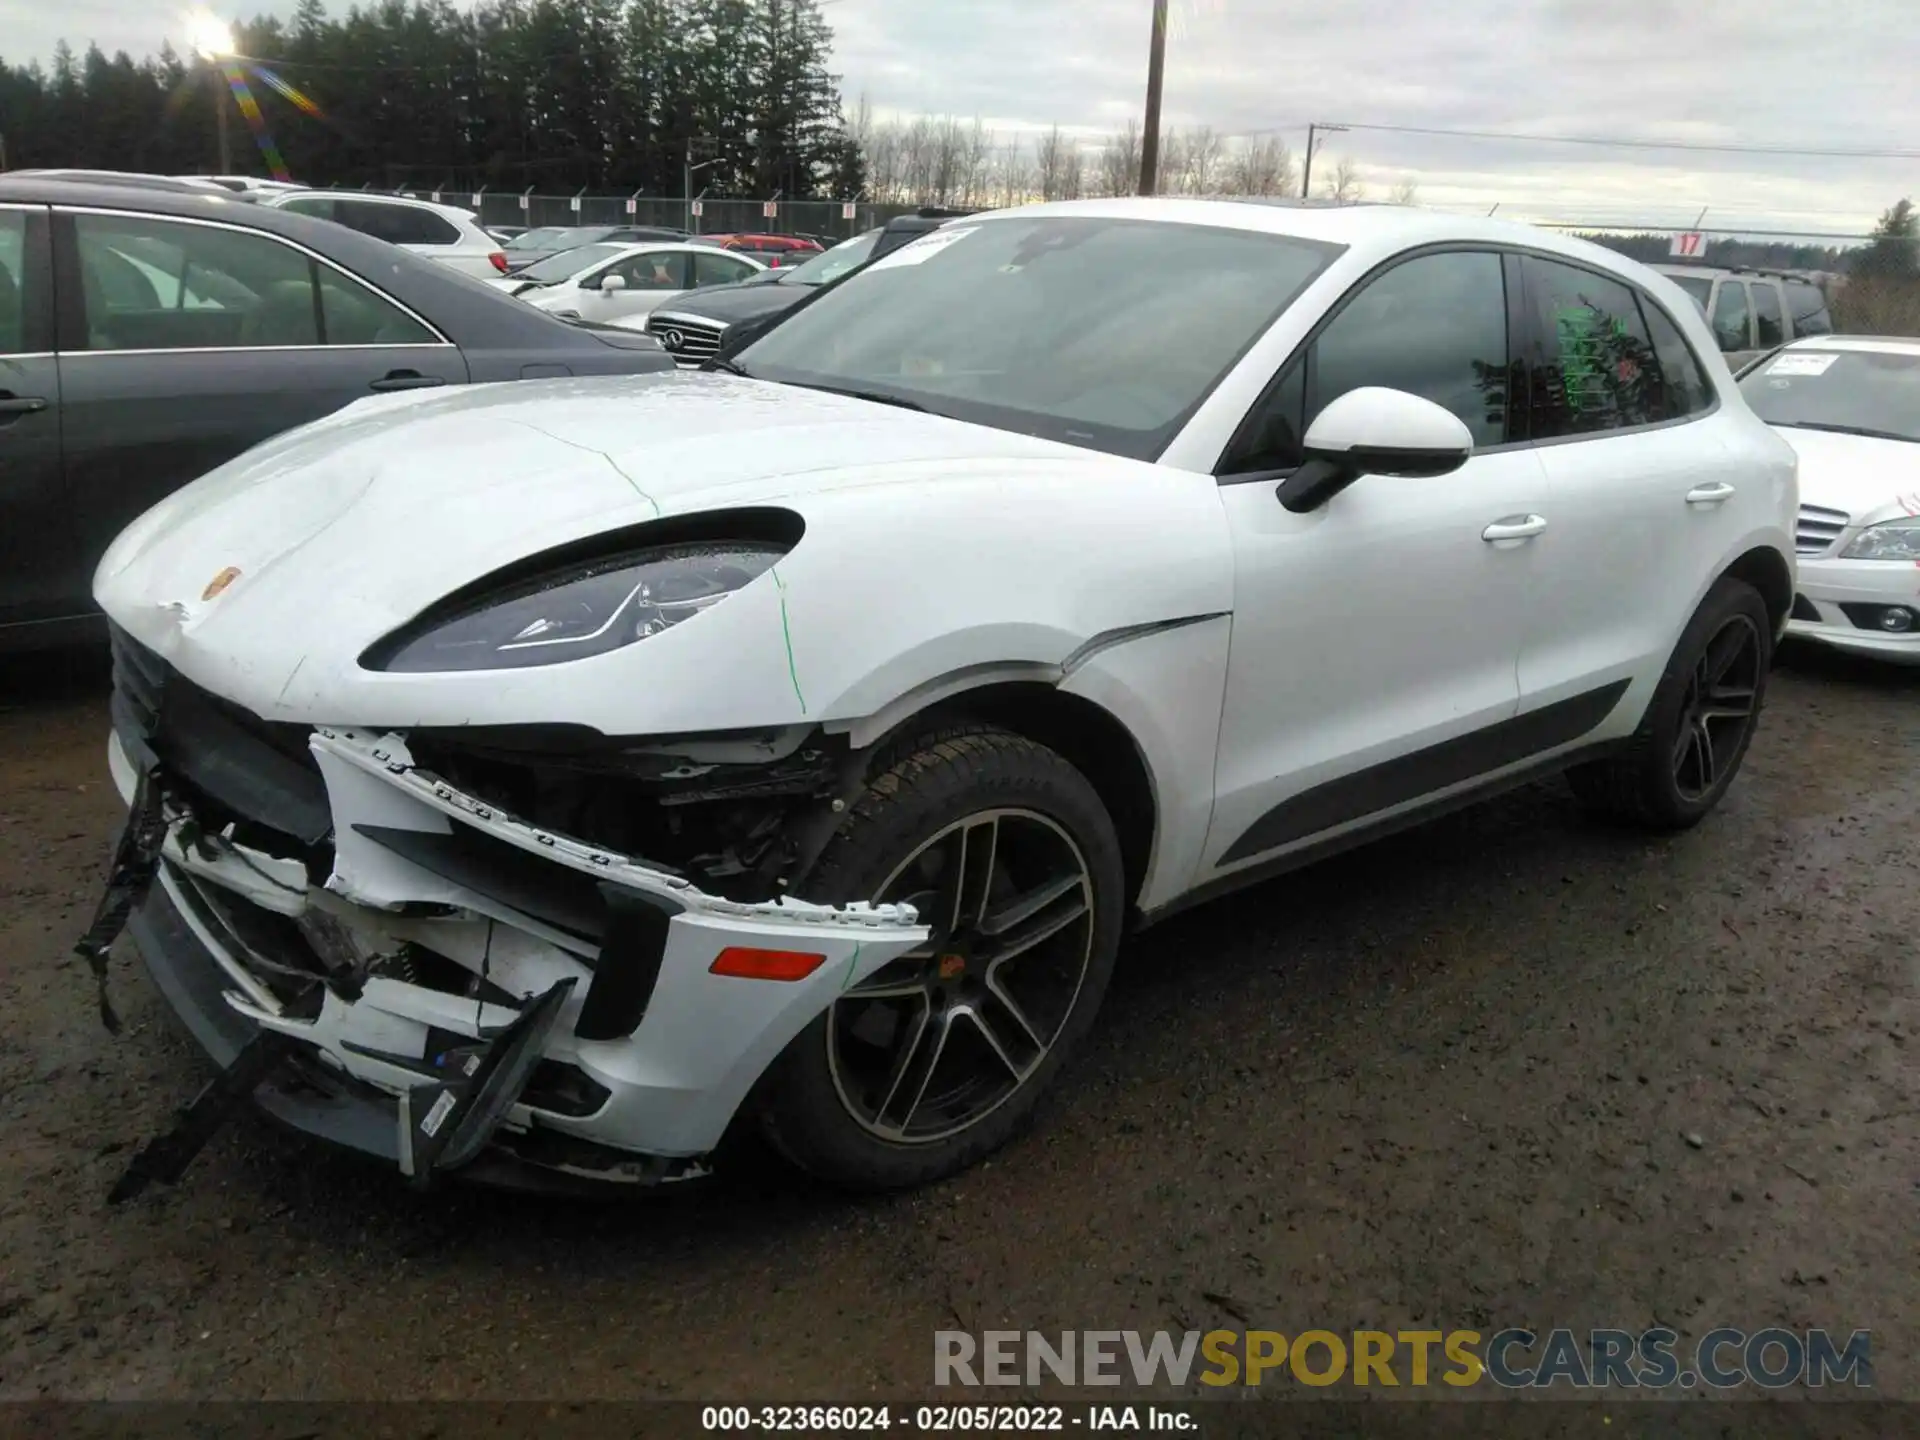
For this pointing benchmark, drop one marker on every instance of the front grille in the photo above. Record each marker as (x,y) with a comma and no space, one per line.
(688,341)
(1818,529)
(237,766)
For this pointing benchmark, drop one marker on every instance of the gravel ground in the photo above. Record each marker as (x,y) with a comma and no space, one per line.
(1446,1081)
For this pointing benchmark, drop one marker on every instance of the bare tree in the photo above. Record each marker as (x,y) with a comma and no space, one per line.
(1120,161)
(1407,192)
(1343,186)
(1014,177)
(1050,163)
(1200,161)
(1173,162)
(1073,173)
(1259,167)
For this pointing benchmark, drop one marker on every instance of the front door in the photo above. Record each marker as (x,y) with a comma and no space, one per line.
(36,517)
(186,343)
(1375,639)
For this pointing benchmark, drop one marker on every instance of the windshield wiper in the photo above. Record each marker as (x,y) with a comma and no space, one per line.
(878,397)
(716,363)
(1863,430)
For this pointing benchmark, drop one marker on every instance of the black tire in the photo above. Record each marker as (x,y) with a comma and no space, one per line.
(920,791)
(1652,783)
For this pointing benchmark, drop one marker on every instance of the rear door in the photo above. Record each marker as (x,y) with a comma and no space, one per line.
(36,519)
(185,342)
(1645,497)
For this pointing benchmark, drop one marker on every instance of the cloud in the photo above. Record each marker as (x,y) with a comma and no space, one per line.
(1757,72)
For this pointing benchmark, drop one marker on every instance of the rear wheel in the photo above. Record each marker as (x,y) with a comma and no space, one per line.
(1702,717)
(940,1056)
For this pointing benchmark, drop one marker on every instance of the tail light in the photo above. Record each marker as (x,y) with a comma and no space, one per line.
(499,260)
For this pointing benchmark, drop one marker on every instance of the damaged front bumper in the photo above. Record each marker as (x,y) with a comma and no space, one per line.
(442,920)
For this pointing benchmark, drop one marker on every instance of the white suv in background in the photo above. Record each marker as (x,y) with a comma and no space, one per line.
(440,232)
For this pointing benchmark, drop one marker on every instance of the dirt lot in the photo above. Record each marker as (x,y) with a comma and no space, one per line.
(1446,1081)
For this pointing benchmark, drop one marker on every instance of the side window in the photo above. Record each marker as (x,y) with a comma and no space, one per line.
(1770,329)
(354,315)
(318,206)
(719,270)
(1686,388)
(1730,316)
(1434,326)
(1590,361)
(397,224)
(152,284)
(665,271)
(13,281)
(1808,307)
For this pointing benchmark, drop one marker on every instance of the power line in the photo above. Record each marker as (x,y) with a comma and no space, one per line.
(1626,144)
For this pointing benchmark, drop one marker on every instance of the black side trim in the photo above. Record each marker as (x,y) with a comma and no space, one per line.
(1312,854)
(1803,609)
(1438,767)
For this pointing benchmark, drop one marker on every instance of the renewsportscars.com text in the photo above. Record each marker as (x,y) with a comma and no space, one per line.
(1512,1359)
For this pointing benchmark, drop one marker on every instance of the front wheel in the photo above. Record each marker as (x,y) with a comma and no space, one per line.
(1699,723)
(939,1057)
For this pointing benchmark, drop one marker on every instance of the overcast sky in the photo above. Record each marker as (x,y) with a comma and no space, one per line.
(1811,74)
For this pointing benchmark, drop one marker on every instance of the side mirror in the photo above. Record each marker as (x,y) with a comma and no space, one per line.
(612,282)
(1374,431)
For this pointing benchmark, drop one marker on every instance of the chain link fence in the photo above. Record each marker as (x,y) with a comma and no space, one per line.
(825,220)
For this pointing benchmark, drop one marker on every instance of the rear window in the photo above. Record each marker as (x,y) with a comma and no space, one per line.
(1808,308)
(396,224)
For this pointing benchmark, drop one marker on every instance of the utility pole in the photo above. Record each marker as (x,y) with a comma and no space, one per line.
(1306,165)
(1156,72)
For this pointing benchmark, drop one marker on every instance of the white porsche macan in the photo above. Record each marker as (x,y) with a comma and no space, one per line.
(565,773)
(1850,407)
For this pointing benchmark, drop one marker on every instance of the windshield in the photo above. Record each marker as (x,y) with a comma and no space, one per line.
(832,264)
(533,239)
(1106,333)
(568,263)
(1863,392)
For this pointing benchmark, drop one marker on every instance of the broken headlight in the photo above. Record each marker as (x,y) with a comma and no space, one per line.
(587,610)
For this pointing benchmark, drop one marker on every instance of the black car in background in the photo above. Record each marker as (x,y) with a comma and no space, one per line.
(724,318)
(148,336)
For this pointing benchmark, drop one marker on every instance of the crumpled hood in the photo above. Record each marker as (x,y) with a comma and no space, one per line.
(1872,480)
(344,529)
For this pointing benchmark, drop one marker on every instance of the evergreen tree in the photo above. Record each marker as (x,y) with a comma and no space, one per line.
(1895,251)
(610,95)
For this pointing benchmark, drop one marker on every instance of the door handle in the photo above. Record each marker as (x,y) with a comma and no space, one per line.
(1514,527)
(1714,493)
(405,380)
(13,405)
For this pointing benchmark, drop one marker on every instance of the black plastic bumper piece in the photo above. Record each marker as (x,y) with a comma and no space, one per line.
(336,1108)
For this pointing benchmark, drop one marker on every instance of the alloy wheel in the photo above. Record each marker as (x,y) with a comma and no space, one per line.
(935,1041)
(1717,711)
